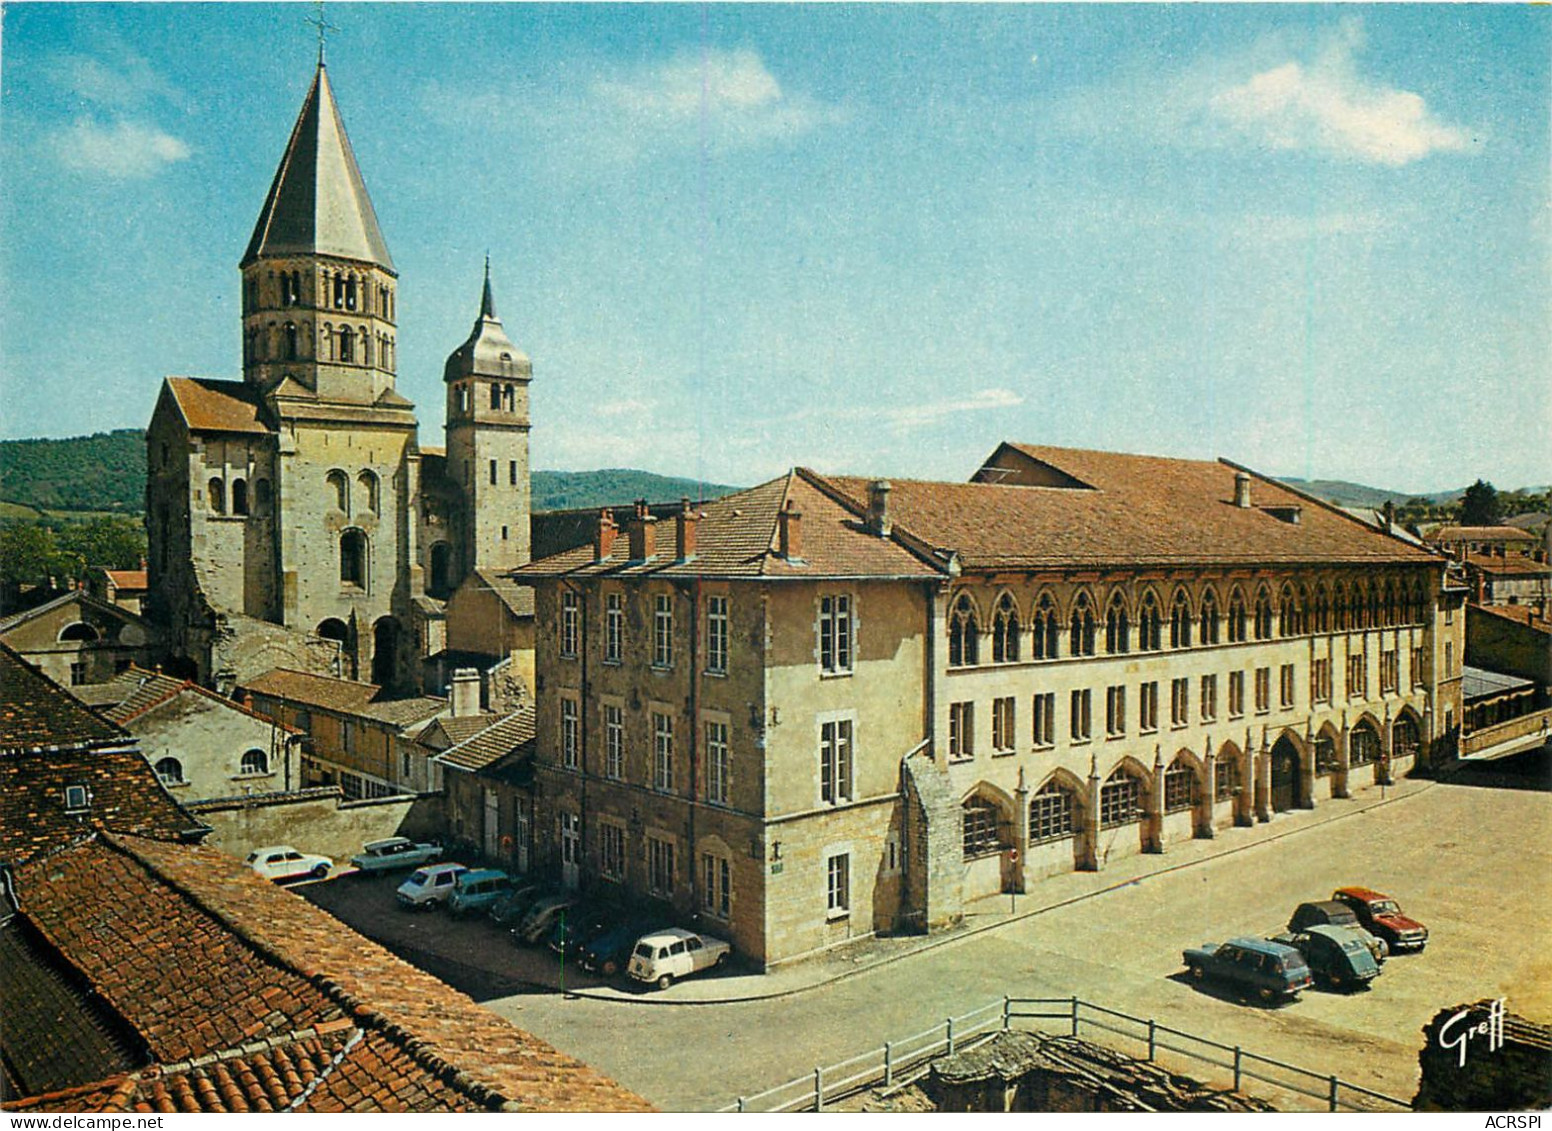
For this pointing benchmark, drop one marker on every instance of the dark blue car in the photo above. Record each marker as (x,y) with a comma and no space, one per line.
(1256,968)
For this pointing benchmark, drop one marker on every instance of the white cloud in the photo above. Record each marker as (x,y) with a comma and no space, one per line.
(1328,108)
(912,417)
(124,79)
(124,150)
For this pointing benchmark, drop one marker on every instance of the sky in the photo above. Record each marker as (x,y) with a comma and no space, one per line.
(868,238)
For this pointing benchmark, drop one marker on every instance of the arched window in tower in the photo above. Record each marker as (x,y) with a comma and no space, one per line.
(339,490)
(353,555)
(366,346)
(217,494)
(964,635)
(347,344)
(239,496)
(506,364)
(370,487)
(1005,631)
(350,293)
(495,396)
(509,398)
(326,340)
(289,336)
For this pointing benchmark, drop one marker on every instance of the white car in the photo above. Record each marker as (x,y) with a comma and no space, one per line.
(282,862)
(662,956)
(395,852)
(429,886)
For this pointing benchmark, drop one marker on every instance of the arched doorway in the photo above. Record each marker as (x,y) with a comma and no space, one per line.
(1285,775)
(385,651)
(333,629)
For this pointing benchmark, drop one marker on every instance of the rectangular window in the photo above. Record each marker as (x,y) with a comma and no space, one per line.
(614,741)
(512,472)
(1148,707)
(1357,676)
(1449,658)
(1179,702)
(718,765)
(1115,711)
(1004,734)
(1320,680)
(1236,694)
(611,852)
(660,866)
(1417,667)
(1285,686)
(1045,719)
(717,886)
(662,752)
(570,623)
(838,885)
(614,628)
(569,738)
(1263,690)
(835,761)
(77,673)
(961,731)
(835,634)
(1390,672)
(77,798)
(1209,698)
(716,635)
(663,630)
(1080,726)
(492,473)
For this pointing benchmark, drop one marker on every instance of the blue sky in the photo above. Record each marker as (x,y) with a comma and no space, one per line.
(1314,239)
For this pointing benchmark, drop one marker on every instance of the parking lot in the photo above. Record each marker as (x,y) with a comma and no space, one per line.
(1471,863)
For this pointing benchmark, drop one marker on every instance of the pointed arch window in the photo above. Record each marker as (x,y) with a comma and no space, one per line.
(1419,604)
(1263,615)
(1081,642)
(1320,609)
(964,635)
(1374,607)
(1236,617)
(1287,613)
(1180,620)
(1046,630)
(339,490)
(1392,604)
(1226,779)
(982,837)
(1149,623)
(1357,605)
(1182,787)
(1209,619)
(216,490)
(1118,627)
(1119,799)
(1005,631)
(1052,814)
(1340,615)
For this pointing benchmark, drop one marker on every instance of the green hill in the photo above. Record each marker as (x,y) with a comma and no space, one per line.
(105,474)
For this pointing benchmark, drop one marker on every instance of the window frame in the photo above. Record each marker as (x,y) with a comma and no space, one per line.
(837,760)
(663,631)
(837,634)
(717,620)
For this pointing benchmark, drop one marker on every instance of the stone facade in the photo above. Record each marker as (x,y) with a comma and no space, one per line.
(76,639)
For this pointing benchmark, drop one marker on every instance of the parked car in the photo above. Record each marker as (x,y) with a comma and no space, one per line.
(1382,916)
(582,924)
(1270,971)
(1331,913)
(509,908)
(541,917)
(609,952)
(395,852)
(429,886)
(659,958)
(476,889)
(1337,956)
(282,862)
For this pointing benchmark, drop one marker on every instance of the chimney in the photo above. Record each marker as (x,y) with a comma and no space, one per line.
(878,508)
(1388,515)
(465,692)
(685,523)
(1242,490)
(1478,587)
(604,536)
(789,532)
(642,532)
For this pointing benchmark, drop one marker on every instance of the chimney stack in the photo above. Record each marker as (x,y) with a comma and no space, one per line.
(1388,515)
(1242,490)
(789,532)
(878,508)
(465,692)
(642,533)
(603,538)
(685,523)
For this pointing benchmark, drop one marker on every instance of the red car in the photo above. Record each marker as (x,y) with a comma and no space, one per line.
(1381,915)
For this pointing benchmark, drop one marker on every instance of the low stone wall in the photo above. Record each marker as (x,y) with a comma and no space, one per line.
(317,820)
(1480,1057)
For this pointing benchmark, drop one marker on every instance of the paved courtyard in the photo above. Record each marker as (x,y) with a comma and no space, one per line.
(1472,863)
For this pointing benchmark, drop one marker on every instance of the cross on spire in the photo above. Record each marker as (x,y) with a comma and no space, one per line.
(323,26)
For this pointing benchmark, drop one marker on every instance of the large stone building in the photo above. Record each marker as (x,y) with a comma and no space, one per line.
(826,707)
(293,517)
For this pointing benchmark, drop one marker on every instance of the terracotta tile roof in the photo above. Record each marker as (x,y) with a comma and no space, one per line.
(519,599)
(489,744)
(136,692)
(1109,508)
(36,713)
(251,998)
(129,578)
(1482,534)
(86,601)
(1520,614)
(1513,564)
(736,537)
(217,406)
(345,696)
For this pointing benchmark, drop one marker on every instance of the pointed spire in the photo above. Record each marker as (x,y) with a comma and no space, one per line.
(487,301)
(488,352)
(318,203)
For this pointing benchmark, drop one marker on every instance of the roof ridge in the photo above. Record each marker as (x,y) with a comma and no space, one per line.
(939,558)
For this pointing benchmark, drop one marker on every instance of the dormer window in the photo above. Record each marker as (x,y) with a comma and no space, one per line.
(78,799)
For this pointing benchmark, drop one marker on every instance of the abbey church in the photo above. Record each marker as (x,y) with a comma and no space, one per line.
(294,518)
